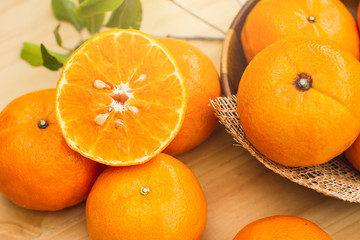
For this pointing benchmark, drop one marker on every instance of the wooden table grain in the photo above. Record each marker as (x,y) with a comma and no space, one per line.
(237,187)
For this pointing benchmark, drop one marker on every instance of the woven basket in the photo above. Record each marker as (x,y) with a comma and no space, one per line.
(336,178)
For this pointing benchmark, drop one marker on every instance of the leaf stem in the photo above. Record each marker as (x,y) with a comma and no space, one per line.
(198,17)
(81,36)
(67,48)
(194,37)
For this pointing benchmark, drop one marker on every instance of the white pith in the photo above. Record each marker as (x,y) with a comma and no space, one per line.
(123,89)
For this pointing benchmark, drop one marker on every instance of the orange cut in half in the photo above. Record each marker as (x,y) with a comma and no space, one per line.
(121,98)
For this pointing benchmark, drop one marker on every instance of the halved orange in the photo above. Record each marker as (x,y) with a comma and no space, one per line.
(120,98)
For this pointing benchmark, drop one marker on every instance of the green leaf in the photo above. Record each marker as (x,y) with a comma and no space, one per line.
(31,53)
(57,35)
(128,15)
(49,61)
(90,8)
(37,55)
(94,23)
(65,10)
(60,57)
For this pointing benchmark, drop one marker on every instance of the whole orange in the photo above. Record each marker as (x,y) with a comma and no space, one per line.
(37,169)
(160,199)
(282,228)
(202,83)
(353,154)
(271,20)
(298,101)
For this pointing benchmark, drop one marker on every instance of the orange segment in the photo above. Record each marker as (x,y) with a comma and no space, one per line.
(120,98)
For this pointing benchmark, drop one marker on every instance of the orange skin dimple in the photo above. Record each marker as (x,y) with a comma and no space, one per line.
(271,20)
(282,228)
(160,199)
(295,127)
(38,170)
(202,84)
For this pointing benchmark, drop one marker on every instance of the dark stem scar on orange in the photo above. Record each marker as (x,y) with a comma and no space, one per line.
(303,82)
(42,124)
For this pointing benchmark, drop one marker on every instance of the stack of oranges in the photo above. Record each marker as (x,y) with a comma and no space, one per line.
(123,97)
(299,97)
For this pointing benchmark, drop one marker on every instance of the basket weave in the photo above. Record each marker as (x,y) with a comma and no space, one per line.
(336,178)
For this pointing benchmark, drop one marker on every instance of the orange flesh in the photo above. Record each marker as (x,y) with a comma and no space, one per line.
(144,92)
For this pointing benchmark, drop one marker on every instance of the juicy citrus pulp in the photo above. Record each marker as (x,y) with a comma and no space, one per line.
(120,98)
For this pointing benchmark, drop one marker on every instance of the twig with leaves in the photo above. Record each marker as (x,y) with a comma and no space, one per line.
(88,14)
(198,17)
(193,37)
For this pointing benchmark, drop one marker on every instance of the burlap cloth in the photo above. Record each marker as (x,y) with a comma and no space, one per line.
(336,178)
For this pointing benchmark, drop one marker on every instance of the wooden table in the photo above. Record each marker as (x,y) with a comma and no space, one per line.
(237,187)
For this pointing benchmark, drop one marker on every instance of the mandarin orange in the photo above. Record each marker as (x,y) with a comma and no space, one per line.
(37,169)
(121,98)
(271,20)
(160,199)
(298,101)
(282,228)
(202,84)
(353,154)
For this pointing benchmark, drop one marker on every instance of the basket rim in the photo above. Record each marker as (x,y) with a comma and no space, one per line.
(227,86)
(225,80)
